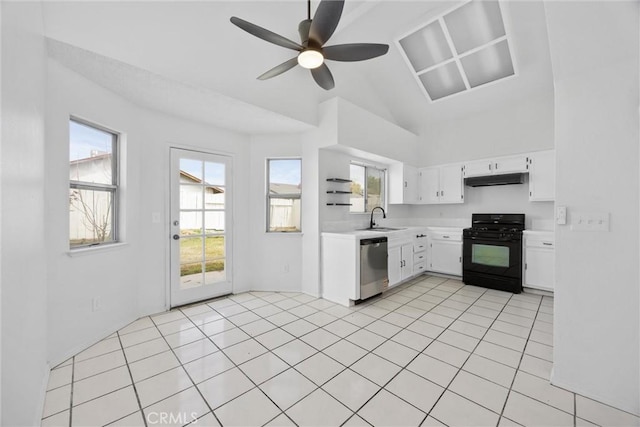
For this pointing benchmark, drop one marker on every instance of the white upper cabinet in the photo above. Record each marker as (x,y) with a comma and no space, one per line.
(403,184)
(542,176)
(478,168)
(441,184)
(498,165)
(429,185)
(511,164)
(451,184)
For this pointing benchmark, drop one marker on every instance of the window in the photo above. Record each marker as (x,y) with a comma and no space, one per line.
(283,194)
(460,50)
(93,185)
(367,188)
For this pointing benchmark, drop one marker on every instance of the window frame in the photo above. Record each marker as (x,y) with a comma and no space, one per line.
(289,196)
(113,188)
(365,191)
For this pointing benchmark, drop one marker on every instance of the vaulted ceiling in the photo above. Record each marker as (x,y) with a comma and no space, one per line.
(191,54)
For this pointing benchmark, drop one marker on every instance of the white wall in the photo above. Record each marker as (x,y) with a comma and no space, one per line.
(594,51)
(23,268)
(498,131)
(495,199)
(336,164)
(342,126)
(276,258)
(132,280)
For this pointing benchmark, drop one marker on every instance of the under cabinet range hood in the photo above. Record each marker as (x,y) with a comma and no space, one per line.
(485,181)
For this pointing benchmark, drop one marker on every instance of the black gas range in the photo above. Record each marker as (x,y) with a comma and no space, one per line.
(492,252)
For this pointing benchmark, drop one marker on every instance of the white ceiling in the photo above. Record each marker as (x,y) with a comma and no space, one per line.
(190,47)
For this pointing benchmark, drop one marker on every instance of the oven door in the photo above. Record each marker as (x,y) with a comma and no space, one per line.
(492,256)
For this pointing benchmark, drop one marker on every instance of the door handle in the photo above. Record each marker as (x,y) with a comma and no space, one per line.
(176,237)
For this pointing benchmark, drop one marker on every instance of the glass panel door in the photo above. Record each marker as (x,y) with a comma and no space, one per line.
(200,213)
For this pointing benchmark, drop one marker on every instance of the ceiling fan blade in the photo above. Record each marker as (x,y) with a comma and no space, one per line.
(279,69)
(265,34)
(325,21)
(323,77)
(354,51)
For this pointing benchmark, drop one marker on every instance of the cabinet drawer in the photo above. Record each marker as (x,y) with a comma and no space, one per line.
(452,237)
(420,257)
(419,247)
(420,267)
(546,243)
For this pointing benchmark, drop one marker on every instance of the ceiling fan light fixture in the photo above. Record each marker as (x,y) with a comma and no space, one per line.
(310,59)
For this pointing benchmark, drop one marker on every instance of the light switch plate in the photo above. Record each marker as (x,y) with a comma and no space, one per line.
(595,221)
(561,215)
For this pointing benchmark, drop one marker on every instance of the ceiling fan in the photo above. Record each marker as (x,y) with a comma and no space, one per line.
(312,53)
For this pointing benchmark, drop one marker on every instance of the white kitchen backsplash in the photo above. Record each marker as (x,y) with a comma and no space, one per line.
(362,221)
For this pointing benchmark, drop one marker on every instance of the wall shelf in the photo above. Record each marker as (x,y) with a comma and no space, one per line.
(336,192)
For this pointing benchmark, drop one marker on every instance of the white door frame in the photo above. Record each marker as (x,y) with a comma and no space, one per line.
(172,203)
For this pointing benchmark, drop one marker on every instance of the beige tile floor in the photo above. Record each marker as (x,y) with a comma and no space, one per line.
(430,352)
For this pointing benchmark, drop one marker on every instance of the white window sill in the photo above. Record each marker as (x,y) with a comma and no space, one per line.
(96,249)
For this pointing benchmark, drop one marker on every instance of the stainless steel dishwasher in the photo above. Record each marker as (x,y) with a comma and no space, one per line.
(374,277)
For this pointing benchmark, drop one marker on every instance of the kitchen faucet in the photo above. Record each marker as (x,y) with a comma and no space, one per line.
(384,215)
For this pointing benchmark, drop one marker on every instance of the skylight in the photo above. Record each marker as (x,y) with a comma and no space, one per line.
(460,50)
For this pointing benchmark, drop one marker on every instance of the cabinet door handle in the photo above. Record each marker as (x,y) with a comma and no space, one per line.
(547,243)
(442,193)
(525,265)
(490,166)
(405,184)
(445,237)
(437,193)
(496,166)
(460,259)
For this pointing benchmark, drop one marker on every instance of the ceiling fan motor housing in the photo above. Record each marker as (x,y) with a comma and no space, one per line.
(303,30)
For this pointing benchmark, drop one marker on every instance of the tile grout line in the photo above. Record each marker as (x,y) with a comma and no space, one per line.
(472,352)
(416,356)
(171,349)
(322,327)
(133,383)
(73,368)
(256,386)
(435,339)
(504,406)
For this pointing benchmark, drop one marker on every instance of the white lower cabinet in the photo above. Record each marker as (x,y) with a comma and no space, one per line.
(539,261)
(445,253)
(420,253)
(394,264)
(400,262)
